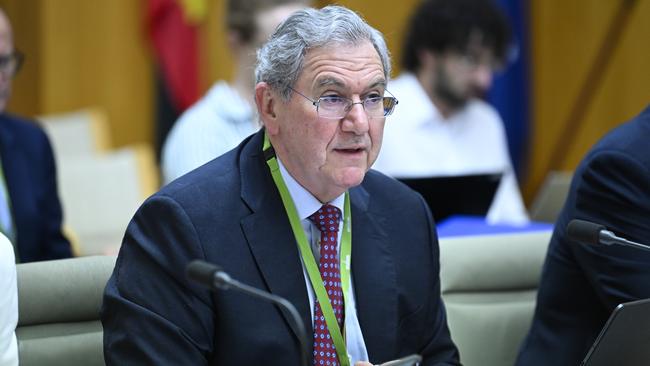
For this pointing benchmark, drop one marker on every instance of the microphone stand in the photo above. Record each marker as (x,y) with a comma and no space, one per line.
(221,280)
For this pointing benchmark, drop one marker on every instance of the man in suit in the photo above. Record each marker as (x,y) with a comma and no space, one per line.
(30,212)
(581,283)
(293,210)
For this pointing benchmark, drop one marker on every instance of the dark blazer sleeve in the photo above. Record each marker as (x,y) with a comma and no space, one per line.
(396,268)
(614,190)
(151,314)
(582,283)
(439,348)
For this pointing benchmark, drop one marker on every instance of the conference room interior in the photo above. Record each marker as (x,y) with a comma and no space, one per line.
(92,78)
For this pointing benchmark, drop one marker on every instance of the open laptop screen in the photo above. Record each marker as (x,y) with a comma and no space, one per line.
(456,195)
(625,338)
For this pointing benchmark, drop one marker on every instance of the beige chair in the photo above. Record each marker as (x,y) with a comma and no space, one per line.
(59,303)
(550,199)
(101,193)
(78,133)
(489,285)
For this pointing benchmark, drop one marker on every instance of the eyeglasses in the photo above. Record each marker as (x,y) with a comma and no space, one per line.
(11,63)
(474,60)
(335,107)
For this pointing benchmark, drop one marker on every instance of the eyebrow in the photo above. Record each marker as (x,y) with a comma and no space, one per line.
(327,81)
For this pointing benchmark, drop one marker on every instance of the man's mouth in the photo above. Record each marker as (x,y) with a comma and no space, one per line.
(351,150)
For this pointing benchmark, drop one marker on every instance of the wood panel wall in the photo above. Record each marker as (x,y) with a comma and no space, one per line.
(566,38)
(85,53)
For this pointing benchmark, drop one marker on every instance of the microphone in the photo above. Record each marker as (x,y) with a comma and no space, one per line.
(214,277)
(591,233)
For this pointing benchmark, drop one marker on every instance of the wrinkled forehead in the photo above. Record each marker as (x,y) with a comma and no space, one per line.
(353,58)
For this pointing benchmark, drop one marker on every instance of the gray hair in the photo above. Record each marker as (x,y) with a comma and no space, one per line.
(280,60)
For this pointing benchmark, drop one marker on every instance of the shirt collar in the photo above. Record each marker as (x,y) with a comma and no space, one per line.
(425,111)
(306,204)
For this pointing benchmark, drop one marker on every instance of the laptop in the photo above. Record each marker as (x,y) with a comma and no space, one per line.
(456,195)
(625,338)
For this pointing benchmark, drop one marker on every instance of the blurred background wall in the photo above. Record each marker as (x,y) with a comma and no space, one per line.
(589,66)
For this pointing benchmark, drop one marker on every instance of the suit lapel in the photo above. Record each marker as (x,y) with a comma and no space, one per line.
(274,248)
(269,234)
(374,277)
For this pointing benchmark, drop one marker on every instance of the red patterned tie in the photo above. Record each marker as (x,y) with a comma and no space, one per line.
(327,220)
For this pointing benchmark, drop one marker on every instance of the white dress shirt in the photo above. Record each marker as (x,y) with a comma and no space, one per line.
(419,142)
(306,204)
(212,126)
(8,304)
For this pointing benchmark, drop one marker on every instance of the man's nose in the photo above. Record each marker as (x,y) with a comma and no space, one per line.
(483,76)
(356,120)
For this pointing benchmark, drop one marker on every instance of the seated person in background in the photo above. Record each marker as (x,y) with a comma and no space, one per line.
(442,127)
(581,284)
(226,114)
(30,212)
(8,304)
(321,96)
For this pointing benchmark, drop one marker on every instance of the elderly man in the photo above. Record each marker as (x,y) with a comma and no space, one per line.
(30,211)
(293,210)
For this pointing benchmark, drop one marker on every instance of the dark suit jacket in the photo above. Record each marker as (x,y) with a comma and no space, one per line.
(582,284)
(229,212)
(30,175)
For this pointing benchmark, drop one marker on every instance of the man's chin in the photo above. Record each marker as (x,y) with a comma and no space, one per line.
(452,100)
(456,102)
(351,176)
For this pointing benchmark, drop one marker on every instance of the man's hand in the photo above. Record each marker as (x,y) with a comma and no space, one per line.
(363,363)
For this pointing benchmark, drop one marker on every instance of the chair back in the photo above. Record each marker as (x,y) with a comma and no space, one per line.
(58,311)
(549,201)
(489,285)
(100,194)
(77,133)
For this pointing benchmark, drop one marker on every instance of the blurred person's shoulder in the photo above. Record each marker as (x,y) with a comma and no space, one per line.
(221,103)
(22,130)
(406,87)
(21,124)
(220,176)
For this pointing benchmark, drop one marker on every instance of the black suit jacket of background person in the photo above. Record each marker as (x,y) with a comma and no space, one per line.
(581,284)
(30,175)
(229,212)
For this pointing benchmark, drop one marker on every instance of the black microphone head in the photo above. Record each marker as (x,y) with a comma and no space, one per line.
(584,231)
(201,272)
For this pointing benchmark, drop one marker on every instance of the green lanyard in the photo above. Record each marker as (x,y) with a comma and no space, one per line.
(308,256)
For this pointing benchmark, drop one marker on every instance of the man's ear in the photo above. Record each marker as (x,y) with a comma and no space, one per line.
(267,101)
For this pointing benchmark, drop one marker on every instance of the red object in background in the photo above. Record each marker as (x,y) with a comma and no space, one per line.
(175,42)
